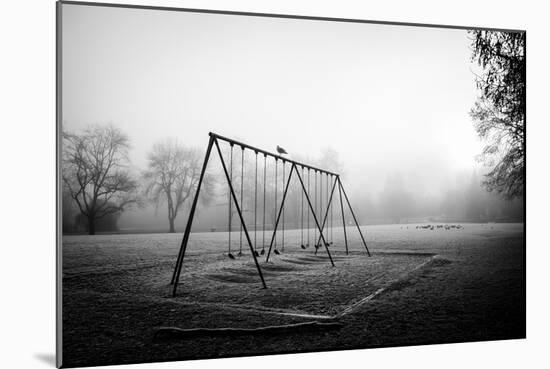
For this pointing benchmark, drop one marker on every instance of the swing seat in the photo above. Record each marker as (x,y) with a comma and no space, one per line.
(256,253)
(240,253)
(303,246)
(230,255)
(262,252)
(277,252)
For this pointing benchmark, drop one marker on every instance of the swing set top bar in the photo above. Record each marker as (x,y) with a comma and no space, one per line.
(267,153)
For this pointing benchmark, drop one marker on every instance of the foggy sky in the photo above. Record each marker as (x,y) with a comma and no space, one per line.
(392,100)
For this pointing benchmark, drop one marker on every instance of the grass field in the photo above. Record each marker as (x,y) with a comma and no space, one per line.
(419,287)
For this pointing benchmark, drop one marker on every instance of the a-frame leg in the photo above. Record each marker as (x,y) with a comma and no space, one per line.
(353,215)
(238,208)
(292,168)
(326,213)
(343,219)
(183,247)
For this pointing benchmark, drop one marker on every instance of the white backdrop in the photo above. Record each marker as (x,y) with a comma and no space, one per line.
(27,272)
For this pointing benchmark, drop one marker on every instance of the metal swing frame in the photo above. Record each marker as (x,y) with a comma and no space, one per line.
(214,141)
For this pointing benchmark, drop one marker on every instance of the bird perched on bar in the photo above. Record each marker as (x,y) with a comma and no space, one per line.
(281,151)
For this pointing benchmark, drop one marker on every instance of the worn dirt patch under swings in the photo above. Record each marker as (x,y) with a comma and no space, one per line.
(296,283)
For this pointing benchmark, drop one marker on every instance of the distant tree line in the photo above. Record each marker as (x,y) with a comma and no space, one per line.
(468,201)
(100,183)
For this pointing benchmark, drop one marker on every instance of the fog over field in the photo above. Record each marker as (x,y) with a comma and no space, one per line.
(386,106)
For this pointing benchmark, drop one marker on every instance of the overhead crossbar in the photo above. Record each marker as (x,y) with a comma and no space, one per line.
(278,157)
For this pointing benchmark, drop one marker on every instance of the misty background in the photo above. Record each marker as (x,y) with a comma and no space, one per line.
(385,106)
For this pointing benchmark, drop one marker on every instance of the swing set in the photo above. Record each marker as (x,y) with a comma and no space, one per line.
(322,231)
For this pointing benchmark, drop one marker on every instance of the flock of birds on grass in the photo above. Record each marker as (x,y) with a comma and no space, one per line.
(439,226)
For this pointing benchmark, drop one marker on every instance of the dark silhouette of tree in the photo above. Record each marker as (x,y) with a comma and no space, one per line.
(499,112)
(95,172)
(173,174)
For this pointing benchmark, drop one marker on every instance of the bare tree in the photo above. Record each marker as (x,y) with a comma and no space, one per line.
(95,172)
(173,174)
